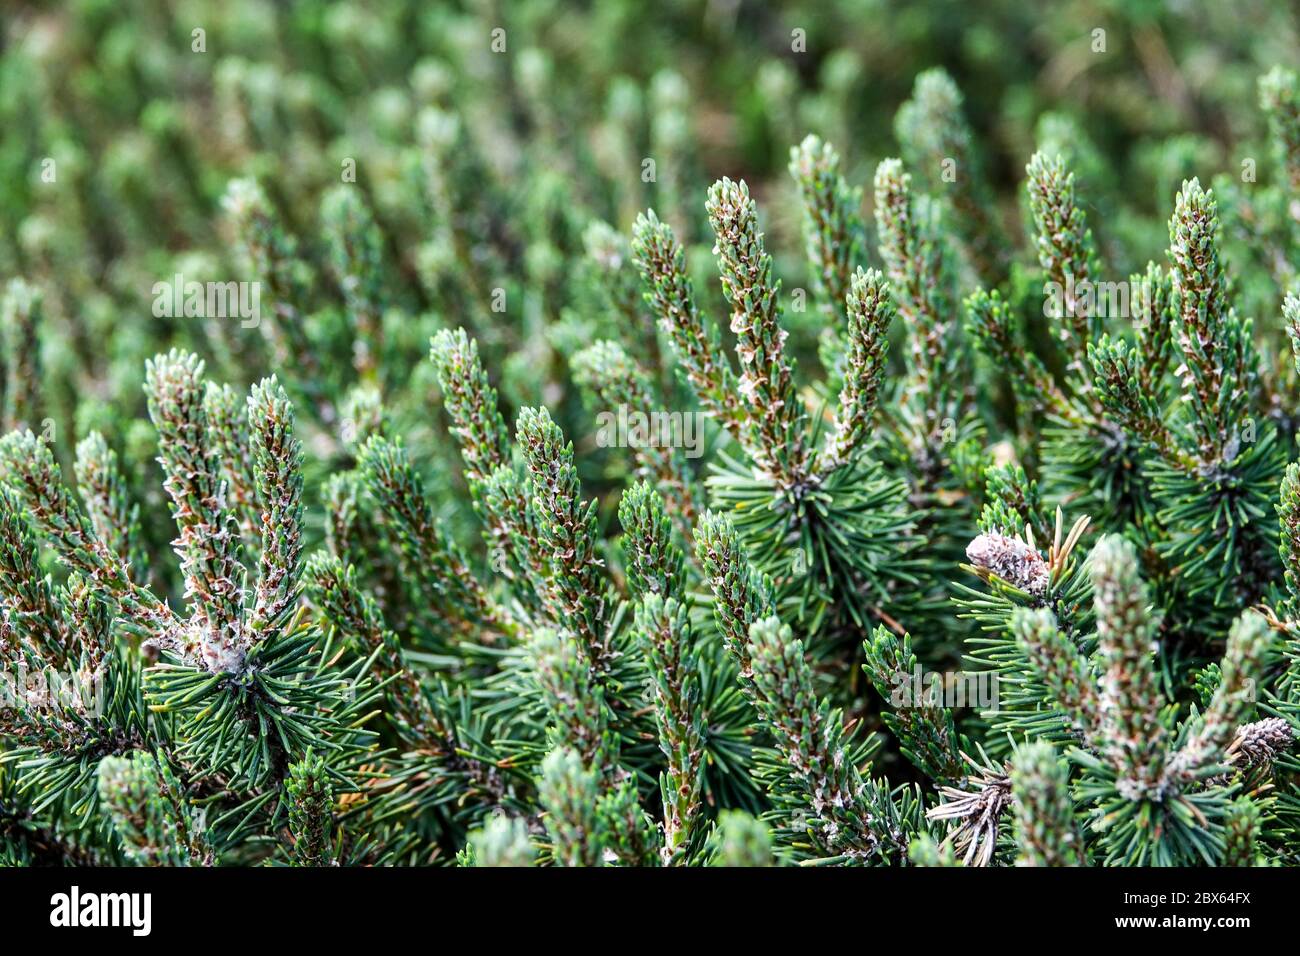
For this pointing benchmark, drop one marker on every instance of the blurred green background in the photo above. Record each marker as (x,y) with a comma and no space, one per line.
(497,137)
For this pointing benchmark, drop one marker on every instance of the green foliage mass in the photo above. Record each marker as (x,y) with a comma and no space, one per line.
(635,434)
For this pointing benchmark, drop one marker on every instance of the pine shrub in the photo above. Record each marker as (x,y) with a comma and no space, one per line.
(532,501)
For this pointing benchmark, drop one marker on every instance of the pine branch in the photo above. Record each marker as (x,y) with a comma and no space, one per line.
(1118,379)
(1218,360)
(1279,96)
(568,792)
(1155,327)
(622,388)
(926,733)
(1062,668)
(846,818)
(1044,810)
(356,257)
(150,813)
(1242,833)
(392,481)
(333,588)
(21,318)
(502,841)
(575,701)
(227,414)
(919,279)
(32,615)
(655,563)
(311,812)
(271,257)
(1130,729)
(627,833)
(497,493)
(775,414)
(741,595)
(870,313)
(208,545)
(1066,253)
(740,841)
(999,335)
(278,466)
(1011,501)
(36,479)
(472,404)
(936,138)
(575,596)
(662,264)
(832,223)
(1288,509)
(1205,748)
(664,634)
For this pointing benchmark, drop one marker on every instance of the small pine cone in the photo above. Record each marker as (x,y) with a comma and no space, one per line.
(1260,742)
(1010,559)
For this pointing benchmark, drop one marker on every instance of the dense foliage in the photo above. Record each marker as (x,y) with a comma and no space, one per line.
(410,458)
